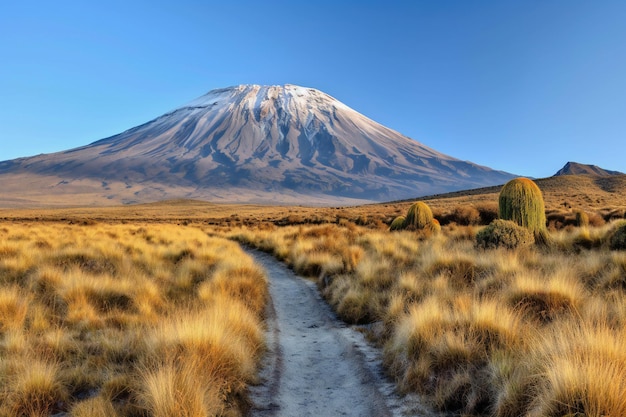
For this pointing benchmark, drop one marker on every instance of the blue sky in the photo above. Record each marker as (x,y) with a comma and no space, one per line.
(522,86)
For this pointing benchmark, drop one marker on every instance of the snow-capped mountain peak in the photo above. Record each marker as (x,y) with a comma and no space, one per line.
(272,140)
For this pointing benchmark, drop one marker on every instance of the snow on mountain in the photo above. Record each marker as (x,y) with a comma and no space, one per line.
(254,143)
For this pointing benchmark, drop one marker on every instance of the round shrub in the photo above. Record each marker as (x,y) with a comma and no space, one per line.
(504,234)
(521,201)
(419,216)
(433,227)
(618,237)
(398,223)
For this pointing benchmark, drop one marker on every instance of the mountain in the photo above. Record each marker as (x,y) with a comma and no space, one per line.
(574,168)
(249,143)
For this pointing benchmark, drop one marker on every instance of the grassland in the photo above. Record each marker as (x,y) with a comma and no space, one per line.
(537,331)
(126,320)
(601,198)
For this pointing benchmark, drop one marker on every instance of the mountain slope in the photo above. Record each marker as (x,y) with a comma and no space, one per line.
(250,143)
(575,168)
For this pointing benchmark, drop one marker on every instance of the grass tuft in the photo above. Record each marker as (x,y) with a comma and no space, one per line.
(35,389)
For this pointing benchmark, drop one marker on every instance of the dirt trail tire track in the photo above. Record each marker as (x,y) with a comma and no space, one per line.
(316,364)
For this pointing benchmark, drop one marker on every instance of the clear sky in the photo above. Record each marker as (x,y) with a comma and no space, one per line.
(522,86)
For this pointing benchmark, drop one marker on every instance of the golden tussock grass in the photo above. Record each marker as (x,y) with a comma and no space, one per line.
(173,389)
(94,407)
(477,332)
(128,320)
(13,308)
(584,371)
(36,388)
(536,331)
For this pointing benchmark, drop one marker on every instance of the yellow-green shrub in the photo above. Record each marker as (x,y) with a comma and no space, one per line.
(521,201)
(419,216)
(504,234)
(398,223)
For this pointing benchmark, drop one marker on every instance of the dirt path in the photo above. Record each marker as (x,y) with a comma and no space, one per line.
(317,365)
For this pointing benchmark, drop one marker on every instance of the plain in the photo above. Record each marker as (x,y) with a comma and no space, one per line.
(98,306)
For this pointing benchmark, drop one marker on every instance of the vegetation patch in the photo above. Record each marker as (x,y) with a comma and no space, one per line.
(419,218)
(521,331)
(534,330)
(119,320)
(504,234)
(521,201)
(618,237)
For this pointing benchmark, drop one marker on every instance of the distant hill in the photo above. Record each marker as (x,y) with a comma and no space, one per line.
(586,192)
(247,144)
(575,168)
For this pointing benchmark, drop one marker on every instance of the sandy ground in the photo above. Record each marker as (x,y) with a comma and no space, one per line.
(317,365)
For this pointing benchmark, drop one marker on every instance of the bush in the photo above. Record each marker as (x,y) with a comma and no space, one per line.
(521,201)
(433,227)
(466,215)
(504,233)
(596,220)
(613,214)
(582,219)
(419,216)
(488,212)
(618,237)
(398,223)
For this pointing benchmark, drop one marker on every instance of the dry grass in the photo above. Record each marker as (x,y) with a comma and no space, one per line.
(584,371)
(531,331)
(535,331)
(601,198)
(128,320)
